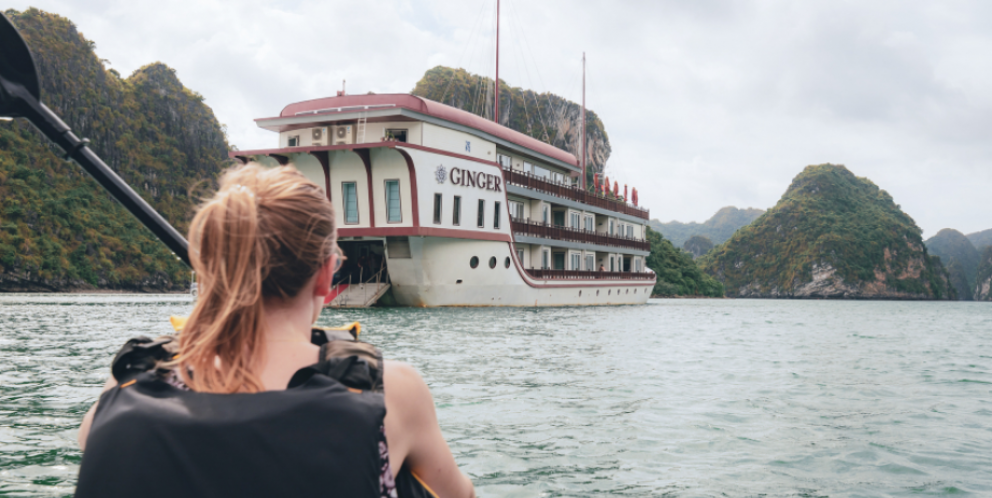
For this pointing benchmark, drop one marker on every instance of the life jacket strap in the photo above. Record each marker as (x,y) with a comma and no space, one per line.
(142,354)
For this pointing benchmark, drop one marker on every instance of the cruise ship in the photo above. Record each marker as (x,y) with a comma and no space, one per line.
(436,206)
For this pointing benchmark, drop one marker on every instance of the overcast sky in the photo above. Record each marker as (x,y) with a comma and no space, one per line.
(708,103)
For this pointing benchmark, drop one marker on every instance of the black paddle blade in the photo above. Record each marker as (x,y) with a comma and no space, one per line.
(16,68)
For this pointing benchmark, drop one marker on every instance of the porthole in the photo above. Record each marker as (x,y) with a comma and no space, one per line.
(609,292)
(597,292)
(474,262)
(580,293)
(506,262)
(492,262)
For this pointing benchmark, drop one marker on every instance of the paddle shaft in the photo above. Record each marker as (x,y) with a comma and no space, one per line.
(57,131)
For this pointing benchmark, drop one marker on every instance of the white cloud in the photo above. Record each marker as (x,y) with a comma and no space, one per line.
(707,103)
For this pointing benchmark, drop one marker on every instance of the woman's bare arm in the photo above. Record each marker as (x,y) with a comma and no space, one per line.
(414,436)
(84,428)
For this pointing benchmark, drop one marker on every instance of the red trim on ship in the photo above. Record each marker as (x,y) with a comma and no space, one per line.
(243,155)
(422,106)
(422,232)
(415,206)
(449,154)
(325,163)
(591,283)
(367,161)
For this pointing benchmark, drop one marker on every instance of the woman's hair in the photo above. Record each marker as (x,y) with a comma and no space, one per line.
(265,233)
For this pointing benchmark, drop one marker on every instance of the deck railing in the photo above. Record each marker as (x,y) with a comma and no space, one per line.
(528,180)
(555,232)
(590,275)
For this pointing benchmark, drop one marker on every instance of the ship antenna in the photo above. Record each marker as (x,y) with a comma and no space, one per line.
(583,121)
(496,104)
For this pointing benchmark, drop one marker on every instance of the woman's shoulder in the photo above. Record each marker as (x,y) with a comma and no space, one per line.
(407,391)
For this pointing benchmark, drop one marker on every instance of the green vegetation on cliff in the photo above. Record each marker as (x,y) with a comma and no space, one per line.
(718,228)
(960,258)
(698,245)
(546,117)
(831,235)
(58,229)
(677,273)
(981,239)
(983,287)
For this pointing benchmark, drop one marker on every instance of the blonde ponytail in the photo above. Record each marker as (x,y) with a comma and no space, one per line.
(264,234)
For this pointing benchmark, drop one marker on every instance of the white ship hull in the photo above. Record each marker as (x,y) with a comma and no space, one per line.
(459,211)
(439,273)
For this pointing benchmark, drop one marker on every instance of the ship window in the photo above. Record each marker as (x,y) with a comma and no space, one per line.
(612,228)
(506,262)
(492,262)
(528,167)
(350,198)
(474,262)
(545,256)
(481,218)
(574,219)
(456,212)
(496,216)
(589,223)
(396,135)
(520,256)
(576,258)
(393,212)
(546,215)
(293,141)
(437,209)
(541,172)
(516,210)
(589,262)
(630,231)
(503,160)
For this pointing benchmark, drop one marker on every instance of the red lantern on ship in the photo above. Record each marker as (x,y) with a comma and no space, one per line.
(606,186)
(624,191)
(616,188)
(633,196)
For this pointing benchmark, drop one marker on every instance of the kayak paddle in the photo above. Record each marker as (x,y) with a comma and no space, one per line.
(20,96)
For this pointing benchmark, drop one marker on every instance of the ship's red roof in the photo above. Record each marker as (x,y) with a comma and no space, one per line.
(430,108)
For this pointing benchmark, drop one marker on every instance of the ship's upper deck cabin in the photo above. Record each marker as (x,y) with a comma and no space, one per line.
(354,144)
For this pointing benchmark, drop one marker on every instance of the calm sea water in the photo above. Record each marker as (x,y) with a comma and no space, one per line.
(675,398)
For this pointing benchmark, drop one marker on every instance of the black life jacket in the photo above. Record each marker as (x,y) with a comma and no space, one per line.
(319,437)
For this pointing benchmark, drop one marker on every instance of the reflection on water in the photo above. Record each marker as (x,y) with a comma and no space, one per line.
(677,398)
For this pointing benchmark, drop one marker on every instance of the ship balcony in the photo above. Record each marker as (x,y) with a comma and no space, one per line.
(590,275)
(528,180)
(555,232)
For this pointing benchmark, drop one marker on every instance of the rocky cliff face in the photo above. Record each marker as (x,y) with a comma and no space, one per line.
(983,289)
(544,116)
(58,229)
(832,235)
(960,258)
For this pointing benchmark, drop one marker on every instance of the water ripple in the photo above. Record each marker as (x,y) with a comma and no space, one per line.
(676,398)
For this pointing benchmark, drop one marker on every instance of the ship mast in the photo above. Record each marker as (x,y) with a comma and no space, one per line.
(496,105)
(583,121)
